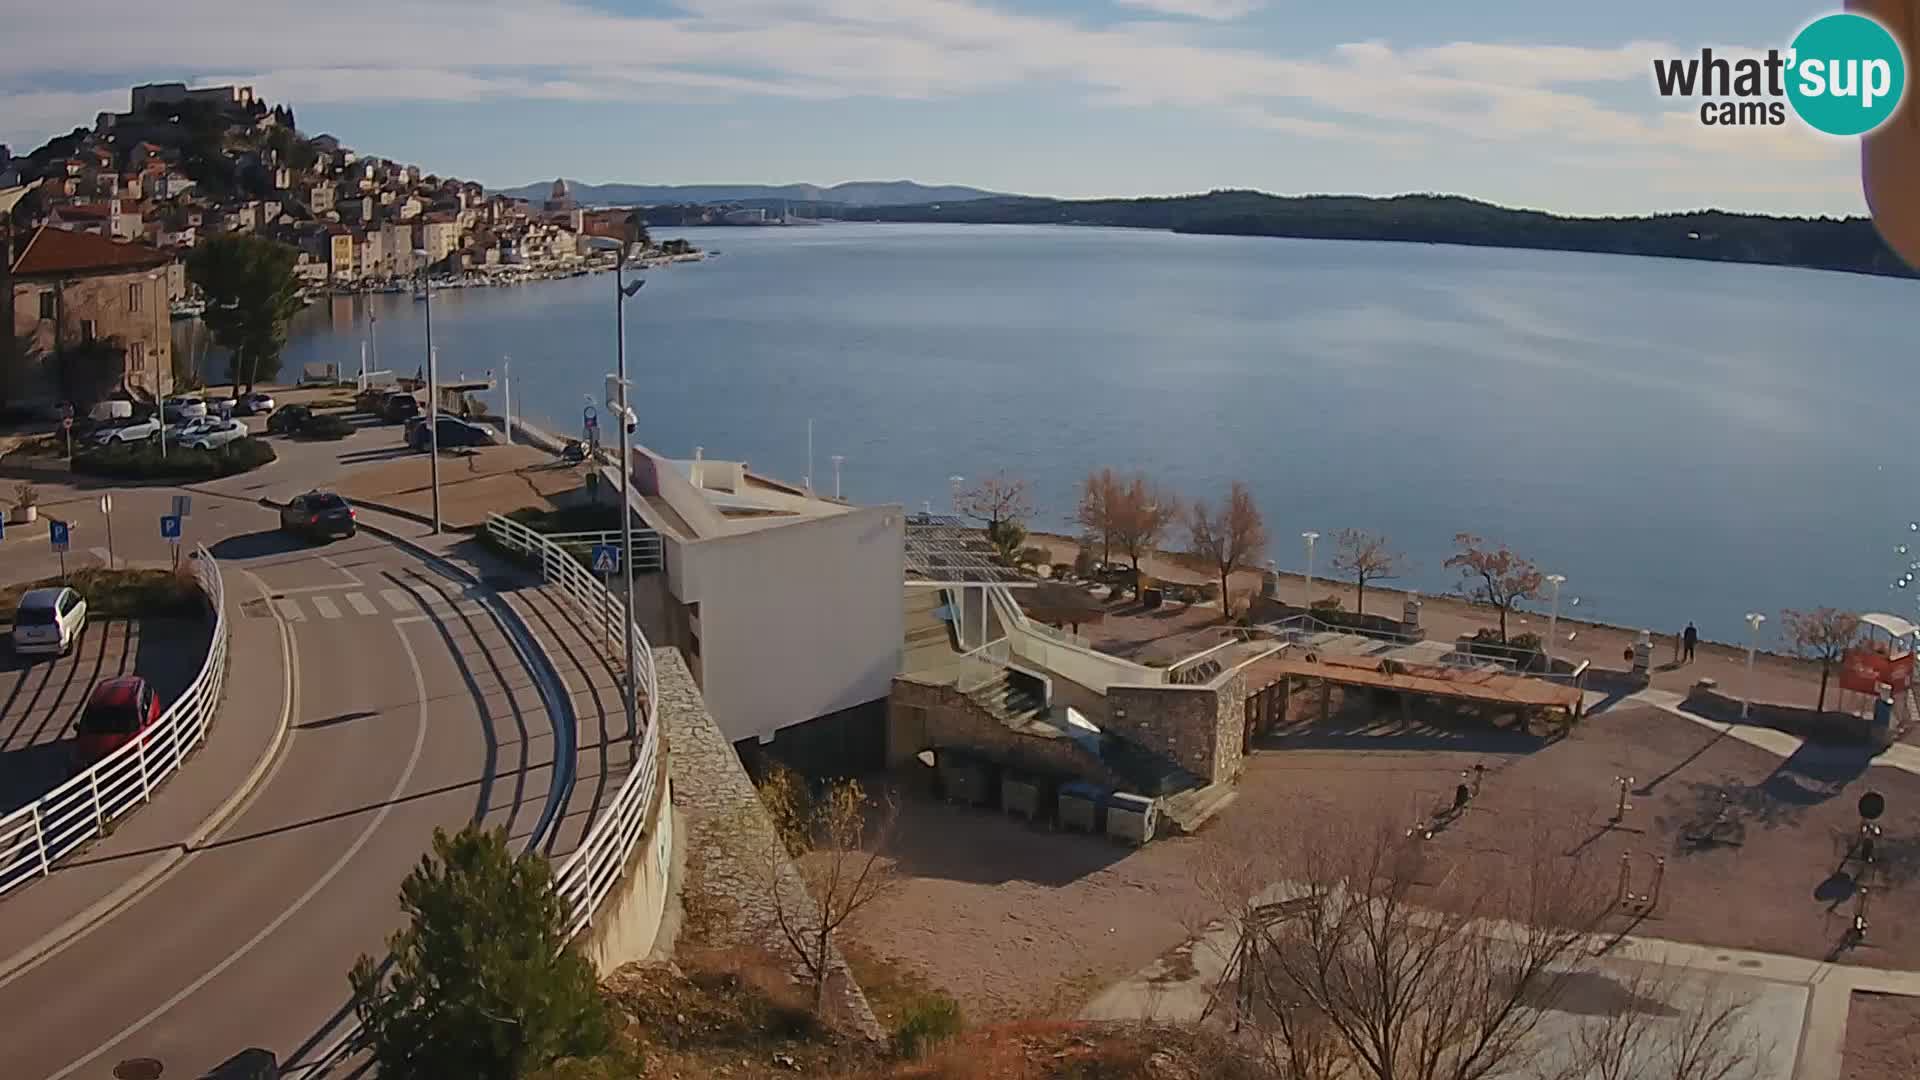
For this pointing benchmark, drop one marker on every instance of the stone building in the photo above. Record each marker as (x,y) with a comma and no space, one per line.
(90,319)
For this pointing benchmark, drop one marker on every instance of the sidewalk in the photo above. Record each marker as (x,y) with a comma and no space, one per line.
(215,779)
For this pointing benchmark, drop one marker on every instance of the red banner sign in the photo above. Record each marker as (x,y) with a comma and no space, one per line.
(1867,668)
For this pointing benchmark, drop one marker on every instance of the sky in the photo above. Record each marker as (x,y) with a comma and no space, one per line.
(1546,104)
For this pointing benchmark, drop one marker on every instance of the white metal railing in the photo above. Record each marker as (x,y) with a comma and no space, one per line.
(591,871)
(35,837)
(647,551)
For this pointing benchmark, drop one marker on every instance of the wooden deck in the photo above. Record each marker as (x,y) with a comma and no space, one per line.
(1482,686)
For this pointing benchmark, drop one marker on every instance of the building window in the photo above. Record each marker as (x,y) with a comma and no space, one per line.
(133,297)
(86,329)
(46,304)
(137,356)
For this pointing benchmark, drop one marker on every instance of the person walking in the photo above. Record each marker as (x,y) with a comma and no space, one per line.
(1688,640)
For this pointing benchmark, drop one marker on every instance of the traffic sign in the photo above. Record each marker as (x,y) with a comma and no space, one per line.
(606,559)
(106,503)
(183,506)
(57,534)
(170,527)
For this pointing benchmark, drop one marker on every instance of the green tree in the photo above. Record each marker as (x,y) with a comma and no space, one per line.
(482,982)
(251,291)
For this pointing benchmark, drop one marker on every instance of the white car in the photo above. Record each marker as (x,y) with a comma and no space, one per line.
(184,408)
(209,434)
(132,431)
(257,403)
(49,621)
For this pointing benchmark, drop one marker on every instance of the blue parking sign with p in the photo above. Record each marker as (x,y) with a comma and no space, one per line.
(57,533)
(170,526)
(606,559)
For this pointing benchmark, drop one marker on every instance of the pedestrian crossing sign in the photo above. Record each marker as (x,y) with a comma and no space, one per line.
(606,559)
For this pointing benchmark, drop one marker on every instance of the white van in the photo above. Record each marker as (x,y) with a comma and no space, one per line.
(105,412)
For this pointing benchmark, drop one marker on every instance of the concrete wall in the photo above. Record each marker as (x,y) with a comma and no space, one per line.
(795,621)
(1200,727)
(1093,670)
(627,926)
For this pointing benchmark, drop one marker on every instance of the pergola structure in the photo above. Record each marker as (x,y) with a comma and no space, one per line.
(944,552)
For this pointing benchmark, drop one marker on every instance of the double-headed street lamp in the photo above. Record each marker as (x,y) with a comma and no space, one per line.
(433,389)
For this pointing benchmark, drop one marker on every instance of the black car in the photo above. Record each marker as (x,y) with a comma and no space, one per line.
(454,433)
(398,408)
(289,419)
(318,514)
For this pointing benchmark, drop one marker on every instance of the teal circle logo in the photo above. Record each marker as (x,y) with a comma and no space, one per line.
(1847,74)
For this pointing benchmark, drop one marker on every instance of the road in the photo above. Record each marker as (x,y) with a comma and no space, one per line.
(410,710)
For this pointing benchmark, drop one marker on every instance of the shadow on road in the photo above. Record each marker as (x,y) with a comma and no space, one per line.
(258,545)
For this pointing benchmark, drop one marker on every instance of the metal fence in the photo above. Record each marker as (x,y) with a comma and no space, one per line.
(647,552)
(35,837)
(585,877)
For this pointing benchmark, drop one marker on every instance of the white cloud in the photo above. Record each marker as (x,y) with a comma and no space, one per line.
(1198,9)
(1534,98)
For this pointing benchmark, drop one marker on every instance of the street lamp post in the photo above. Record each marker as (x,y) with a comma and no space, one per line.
(1309,537)
(506,395)
(1553,620)
(622,292)
(1754,619)
(433,390)
(838,460)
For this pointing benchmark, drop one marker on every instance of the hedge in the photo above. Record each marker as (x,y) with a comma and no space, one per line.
(143,461)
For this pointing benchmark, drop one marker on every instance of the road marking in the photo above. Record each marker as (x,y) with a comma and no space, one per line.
(386,808)
(344,572)
(325,606)
(360,604)
(290,609)
(399,599)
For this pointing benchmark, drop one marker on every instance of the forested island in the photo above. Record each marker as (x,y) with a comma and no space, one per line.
(1848,244)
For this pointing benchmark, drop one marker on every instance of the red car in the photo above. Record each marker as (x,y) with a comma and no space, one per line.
(116,712)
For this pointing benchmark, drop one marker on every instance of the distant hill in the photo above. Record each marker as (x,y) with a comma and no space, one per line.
(852,193)
(1848,244)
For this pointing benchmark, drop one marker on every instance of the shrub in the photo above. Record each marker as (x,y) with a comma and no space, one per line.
(1034,556)
(931,1018)
(1084,562)
(143,461)
(326,426)
(1326,603)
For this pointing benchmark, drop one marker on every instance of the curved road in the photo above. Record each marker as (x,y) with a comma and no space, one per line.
(410,710)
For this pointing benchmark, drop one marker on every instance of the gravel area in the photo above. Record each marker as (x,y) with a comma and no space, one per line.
(1015,920)
(1883,1038)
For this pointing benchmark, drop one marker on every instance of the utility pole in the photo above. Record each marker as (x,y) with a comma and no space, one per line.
(433,391)
(622,293)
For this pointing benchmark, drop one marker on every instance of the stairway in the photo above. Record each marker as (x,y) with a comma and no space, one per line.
(1008,700)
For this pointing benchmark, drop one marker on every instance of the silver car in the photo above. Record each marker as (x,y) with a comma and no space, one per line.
(49,621)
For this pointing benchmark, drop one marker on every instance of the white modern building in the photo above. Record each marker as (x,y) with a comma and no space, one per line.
(785,603)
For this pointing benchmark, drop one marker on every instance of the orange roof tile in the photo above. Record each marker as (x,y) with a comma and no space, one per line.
(52,251)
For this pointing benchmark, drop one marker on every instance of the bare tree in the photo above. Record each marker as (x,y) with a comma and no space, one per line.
(1098,494)
(1495,575)
(1229,540)
(1823,634)
(1142,513)
(1002,503)
(836,840)
(1365,556)
(1350,963)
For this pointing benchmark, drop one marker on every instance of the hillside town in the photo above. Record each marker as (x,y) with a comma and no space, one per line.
(95,227)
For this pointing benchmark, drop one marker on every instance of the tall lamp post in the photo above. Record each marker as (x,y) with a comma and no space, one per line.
(1754,619)
(433,387)
(1309,537)
(622,292)
(1553,620)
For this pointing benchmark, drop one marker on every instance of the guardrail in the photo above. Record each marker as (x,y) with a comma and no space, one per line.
(647,551)
(585,877)
(35,837)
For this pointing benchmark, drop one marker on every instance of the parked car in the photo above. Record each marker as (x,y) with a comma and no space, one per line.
(210,434)
(107,412)
(318,514)
(398,407)
(181,409)
(118,712)
(288,420)
(372,399)
(254,404)
(453,431)
(129,431)
(49,621)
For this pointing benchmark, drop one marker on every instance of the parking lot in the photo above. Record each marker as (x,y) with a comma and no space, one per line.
(41,696)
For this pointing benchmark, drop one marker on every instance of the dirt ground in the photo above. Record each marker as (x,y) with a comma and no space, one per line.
(1016,920)
(1883,1038)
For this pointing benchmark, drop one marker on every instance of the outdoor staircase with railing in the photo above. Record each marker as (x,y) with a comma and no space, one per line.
(1008,698)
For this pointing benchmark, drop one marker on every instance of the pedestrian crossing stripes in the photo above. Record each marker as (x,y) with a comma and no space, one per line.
(400,602)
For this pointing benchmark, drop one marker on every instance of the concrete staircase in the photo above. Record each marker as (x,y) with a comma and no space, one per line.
(1008,699)
(1186,811)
